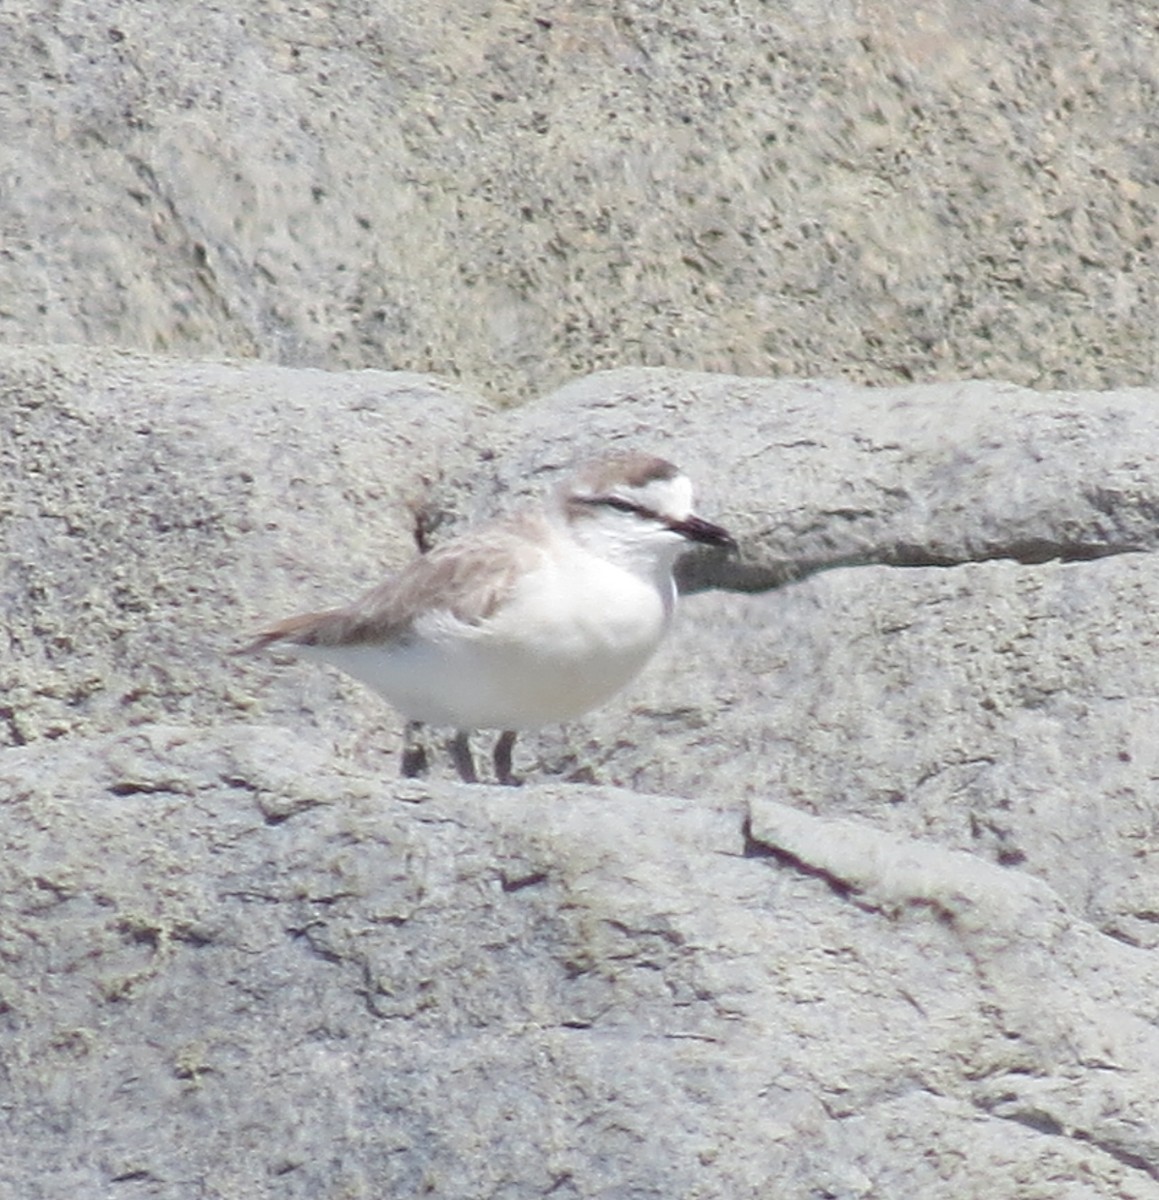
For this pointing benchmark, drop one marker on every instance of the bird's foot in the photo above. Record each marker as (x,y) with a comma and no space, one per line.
(504,747)
(415,763)
(460,748)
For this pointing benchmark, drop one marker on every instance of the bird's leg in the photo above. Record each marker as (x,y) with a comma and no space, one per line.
(502,757)
(414,752)
(460,748)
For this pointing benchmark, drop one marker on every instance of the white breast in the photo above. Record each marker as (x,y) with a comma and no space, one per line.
(571,635)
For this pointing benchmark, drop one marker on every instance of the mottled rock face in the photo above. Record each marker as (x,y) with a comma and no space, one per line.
(851,894)
(517,197)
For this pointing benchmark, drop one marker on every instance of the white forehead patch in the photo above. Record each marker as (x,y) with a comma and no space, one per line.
(669,497)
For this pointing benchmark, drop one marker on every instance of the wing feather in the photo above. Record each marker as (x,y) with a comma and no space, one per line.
(469,578)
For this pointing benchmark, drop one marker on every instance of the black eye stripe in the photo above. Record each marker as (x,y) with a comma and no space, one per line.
(620,505)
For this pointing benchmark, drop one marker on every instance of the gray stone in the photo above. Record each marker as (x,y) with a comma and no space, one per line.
(815,475)
(852,894)
(473,991)
(156,512)
(516,197)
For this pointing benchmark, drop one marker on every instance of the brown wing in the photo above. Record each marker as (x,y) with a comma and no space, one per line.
(468,577)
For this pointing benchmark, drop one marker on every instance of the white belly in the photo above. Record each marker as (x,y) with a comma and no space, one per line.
(567,641)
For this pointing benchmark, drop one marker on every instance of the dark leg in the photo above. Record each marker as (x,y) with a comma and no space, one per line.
(503,748)
(414,753)
(460,748)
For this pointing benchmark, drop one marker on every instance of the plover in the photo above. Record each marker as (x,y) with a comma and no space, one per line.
(524,622)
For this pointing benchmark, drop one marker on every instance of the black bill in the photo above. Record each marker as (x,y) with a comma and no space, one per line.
(697,530)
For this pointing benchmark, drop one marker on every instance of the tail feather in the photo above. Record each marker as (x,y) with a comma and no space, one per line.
(302,630)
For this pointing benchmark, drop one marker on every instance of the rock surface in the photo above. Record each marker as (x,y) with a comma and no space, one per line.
(135,495)
(251,970)
(516,196)
(853,894)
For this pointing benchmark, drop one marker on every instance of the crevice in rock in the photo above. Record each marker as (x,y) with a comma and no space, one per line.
(1046,1123)
(134,787)
(1127,1157)
(753,848)
(516,883)
(8,721)
(700,572)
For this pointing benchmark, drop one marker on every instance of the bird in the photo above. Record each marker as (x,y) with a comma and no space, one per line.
(532,619)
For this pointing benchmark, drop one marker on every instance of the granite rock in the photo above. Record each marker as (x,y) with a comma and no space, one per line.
(236,965)
(516,196)
(852,894)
